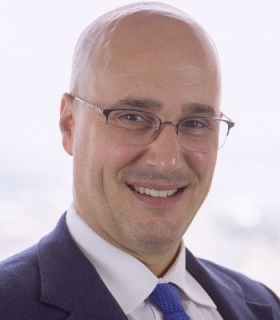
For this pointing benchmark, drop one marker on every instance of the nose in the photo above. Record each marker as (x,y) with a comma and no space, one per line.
(165,152)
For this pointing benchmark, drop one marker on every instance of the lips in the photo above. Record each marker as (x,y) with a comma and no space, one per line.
(155,193)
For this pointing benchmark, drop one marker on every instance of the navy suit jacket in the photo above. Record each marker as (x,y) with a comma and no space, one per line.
(53,280)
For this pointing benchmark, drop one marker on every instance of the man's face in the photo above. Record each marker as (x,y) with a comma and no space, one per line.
(110,178)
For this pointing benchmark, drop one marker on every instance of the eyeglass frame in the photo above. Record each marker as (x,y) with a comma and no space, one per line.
(106,114)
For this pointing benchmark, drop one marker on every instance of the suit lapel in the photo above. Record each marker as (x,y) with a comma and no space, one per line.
(226,293)
(70,282)
(97,304)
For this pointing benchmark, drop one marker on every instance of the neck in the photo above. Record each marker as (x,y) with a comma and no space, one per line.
(160,262)
(158,259)
(160,265)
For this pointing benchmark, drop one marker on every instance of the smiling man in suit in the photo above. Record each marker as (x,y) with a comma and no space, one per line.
(143,123)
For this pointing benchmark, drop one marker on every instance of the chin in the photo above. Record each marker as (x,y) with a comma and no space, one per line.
(152,237)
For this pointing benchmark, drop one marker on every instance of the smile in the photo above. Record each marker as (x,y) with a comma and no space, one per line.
(155,193)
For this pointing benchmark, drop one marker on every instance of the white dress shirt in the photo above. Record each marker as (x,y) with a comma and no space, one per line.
(131,282)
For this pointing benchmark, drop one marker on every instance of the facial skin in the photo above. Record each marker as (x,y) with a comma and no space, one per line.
(166,62)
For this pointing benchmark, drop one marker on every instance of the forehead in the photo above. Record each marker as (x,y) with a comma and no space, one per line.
(156,39)
(148,56)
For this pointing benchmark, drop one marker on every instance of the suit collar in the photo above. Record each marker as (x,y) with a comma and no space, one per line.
(70,282)
(228,295)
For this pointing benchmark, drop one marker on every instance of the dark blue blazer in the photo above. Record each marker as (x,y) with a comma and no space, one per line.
(53,280)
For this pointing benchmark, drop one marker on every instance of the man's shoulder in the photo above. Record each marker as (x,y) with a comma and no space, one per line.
(224,273)
(18,267)
(21,264)
(21,281)
(251,289)
(24,266)
(228,288)
(18,283)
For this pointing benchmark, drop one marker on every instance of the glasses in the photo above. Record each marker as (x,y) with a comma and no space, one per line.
(137,128)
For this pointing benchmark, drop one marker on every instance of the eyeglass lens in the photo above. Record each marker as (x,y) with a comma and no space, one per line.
(137,128)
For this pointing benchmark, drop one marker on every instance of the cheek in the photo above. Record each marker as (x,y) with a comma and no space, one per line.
(118,157)
(99,159)
(87,147)
(203,164)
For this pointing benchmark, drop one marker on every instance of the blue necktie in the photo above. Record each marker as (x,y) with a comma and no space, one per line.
(167,298)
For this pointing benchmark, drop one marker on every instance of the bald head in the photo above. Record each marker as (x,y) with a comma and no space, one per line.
(127,35)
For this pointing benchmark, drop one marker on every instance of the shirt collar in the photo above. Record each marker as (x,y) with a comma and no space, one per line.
(124,271)
(178,275)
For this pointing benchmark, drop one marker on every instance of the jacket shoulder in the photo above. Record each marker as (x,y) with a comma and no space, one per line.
(251,289)
(20,289)
(18,271)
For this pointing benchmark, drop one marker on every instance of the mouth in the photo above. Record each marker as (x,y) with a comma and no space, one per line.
(155,193)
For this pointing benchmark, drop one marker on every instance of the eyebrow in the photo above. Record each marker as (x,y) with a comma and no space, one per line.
(155,106)
(130,102)
(198,108)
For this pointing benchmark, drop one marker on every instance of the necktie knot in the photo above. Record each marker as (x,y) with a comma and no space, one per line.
(167,298)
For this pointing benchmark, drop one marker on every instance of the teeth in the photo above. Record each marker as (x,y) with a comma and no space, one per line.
(155,193)
(163,194)
(171,192)
(141,190)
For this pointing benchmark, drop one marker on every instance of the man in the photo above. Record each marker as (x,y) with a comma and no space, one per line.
(143,124)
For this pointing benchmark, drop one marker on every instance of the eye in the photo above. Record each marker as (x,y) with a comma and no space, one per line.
(135,117)
(193,123)
(132,120)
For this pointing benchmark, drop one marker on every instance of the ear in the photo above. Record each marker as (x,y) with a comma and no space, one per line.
(66,122)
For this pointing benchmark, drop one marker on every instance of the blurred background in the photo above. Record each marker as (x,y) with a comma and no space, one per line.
(238,226)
